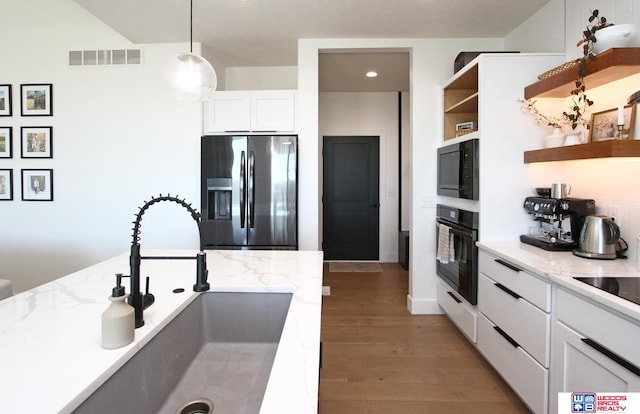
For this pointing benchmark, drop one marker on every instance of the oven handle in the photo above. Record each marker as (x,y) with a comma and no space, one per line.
(457,228)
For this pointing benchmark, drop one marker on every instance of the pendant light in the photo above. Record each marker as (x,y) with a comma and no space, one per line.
(189,76)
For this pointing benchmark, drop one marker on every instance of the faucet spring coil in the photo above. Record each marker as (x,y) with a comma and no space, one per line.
(136,224)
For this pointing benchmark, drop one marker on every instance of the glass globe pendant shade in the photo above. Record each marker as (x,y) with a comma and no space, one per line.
(190,77)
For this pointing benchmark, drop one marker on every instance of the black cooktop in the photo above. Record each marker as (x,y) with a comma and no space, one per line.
(623,287)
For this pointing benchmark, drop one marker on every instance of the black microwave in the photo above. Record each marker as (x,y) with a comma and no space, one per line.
(458,170)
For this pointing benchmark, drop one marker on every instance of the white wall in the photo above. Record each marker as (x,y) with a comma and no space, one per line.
(578,12)
(542,32)
(405,169)
(260,78)
(374,114)
(558,26)
(118,138)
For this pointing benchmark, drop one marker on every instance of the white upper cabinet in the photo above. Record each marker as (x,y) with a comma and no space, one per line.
(250,111)
(228,111)
(273,111)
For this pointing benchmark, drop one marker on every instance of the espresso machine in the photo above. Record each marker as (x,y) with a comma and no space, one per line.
(557,221)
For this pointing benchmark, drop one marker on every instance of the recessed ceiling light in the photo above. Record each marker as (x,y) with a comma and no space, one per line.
(372,74)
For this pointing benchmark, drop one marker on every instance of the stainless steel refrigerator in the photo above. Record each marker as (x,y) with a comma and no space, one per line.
(249,192)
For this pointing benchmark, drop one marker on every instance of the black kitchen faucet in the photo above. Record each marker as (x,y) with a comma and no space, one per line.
(136,298)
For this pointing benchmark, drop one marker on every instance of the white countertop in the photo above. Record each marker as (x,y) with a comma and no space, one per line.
(561,267)
(50,354)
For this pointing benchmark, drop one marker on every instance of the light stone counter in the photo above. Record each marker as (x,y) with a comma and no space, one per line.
(561,267)
(51,358)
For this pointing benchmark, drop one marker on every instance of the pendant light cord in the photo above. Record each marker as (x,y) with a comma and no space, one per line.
(191,29)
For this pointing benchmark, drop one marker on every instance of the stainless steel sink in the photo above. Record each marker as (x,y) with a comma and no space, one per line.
(220,348)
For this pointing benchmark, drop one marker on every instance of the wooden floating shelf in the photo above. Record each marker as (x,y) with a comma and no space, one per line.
(602,149)
(610,65)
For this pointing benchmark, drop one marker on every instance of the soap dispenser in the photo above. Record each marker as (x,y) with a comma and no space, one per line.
(118,321)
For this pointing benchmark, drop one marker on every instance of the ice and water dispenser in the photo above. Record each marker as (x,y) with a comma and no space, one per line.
(219,198)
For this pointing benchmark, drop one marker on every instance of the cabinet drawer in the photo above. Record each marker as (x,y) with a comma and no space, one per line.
(460,312)
(526,377)
(607,329)
(534,290)
(525,323)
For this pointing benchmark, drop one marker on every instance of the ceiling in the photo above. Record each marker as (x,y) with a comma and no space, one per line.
(265,32)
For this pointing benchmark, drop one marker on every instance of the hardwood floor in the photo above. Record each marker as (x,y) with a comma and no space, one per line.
(378,358)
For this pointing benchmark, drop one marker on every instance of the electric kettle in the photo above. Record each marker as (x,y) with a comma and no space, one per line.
(598,238)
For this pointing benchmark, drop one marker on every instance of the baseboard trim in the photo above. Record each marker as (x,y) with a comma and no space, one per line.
(423,306)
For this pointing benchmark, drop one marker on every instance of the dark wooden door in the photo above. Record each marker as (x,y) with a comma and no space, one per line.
(351,205)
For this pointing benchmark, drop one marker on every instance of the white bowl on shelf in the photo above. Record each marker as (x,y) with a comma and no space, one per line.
(556,139)
(619,35)
(553,142)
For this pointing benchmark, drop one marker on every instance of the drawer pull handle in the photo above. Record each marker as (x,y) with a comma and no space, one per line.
(612,355)
(454,297)
(507,290)
(506,336)
(509,265)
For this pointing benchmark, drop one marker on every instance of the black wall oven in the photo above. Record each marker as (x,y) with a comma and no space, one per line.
(458,170)
(457,253)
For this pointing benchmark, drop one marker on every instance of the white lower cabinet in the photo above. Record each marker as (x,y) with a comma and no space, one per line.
(514,327)
(458,310)
(526,324)
(525,375)
(544,338)
(594,350)
(579,366)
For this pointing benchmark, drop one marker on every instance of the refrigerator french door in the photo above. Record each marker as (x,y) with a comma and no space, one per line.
(249,192)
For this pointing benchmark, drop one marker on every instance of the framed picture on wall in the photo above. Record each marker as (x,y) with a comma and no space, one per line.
(36,99)
(37,142)
(37,185)
(6,185)
(604,125)
(5,100)
(5,142)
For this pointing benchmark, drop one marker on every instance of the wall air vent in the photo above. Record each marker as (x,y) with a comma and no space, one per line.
(105,57)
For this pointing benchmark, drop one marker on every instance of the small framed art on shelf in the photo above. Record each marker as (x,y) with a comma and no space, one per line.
(604,124)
